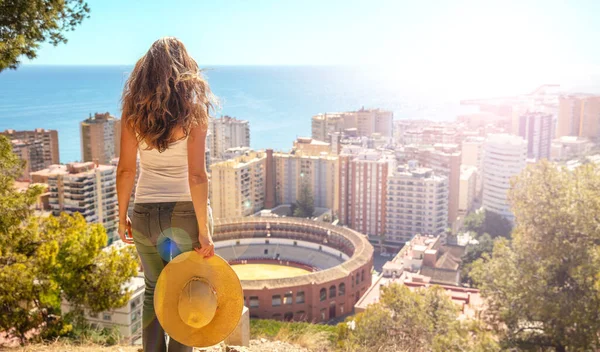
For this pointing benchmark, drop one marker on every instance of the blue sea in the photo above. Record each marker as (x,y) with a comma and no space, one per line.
(279,101)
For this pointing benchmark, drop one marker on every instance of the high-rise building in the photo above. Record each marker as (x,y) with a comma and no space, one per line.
(417,203)
(472,155)
(363,192)
(227,132)
(237,186)
(32,152)
(48,138)
(468,188)
(472,151)
(87,188)
(505,157)
(445,160)
(537,129)
(579,115)
(294,170)
(100,138)
(362,122)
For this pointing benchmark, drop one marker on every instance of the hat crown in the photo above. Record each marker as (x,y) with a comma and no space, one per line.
(197,302)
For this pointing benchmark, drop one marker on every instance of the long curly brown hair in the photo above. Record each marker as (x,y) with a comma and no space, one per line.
(166,91)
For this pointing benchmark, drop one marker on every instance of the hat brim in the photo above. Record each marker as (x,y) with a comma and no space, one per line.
(229,291)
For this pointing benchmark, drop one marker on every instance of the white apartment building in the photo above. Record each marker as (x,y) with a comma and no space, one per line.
(319,172)
(416,203)
(225,133)
(362,198)
(505,156)
(468,188)
(86,188)
(127,319)
(472,155)
(237,186)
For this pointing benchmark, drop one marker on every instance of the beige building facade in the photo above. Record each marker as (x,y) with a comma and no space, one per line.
(227,132)
(237,186)
(48,139)
(100,138)
(85,188)
(364,122)
(319,173)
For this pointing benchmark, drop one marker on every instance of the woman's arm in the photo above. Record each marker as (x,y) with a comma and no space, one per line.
(126,177)
(198,179)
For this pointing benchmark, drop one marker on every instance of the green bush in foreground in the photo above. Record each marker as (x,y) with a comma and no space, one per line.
(46,260)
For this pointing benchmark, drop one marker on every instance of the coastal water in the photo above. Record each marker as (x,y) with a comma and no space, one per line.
(277,100)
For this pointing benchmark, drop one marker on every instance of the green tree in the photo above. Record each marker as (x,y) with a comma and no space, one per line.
(543,288)
(423,320)
(45,260)
(484,245)
(483,221)
(305,205)
(25,24)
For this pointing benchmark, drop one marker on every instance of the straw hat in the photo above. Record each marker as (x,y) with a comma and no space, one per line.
(198,301)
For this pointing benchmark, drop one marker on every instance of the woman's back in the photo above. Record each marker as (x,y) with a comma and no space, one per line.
(163,175)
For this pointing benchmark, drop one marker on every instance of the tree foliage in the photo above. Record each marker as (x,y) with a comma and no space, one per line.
(484,221)
(25,24)
(543,288)
(423,320)
(305,205)
(484,245)
(46,260)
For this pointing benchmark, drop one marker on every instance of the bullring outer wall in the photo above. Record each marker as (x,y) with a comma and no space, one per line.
(352,276)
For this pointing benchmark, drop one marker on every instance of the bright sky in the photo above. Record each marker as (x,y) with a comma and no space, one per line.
(429,37)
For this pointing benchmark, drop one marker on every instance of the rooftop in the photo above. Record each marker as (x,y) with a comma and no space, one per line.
(99,118)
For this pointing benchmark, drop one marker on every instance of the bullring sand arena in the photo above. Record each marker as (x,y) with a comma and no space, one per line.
(296,269)
(266,271)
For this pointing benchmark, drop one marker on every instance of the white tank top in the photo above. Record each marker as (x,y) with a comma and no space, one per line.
(163,176)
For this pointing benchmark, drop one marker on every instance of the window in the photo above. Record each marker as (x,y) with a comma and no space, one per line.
(276,300)
(357,278)
(323,294)
(287,299)
(107,316)
(332,291)
(362,275)
(93,315)
(253,302)
(342,289)
(300,297)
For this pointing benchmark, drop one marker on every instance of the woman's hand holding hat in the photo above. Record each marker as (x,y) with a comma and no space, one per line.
(207,247)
